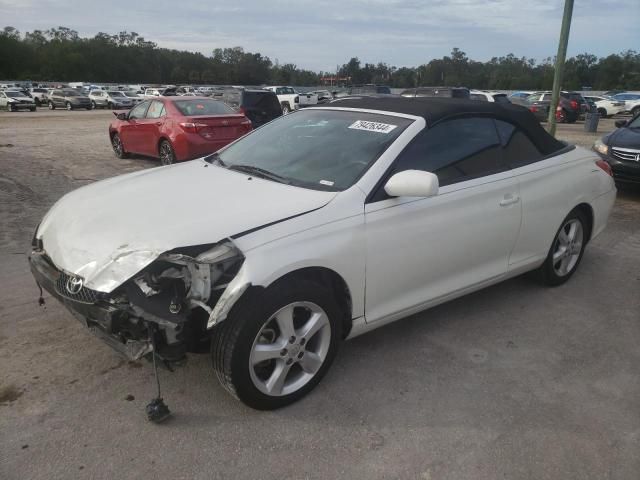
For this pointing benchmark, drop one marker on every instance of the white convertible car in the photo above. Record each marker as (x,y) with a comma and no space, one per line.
(271,256)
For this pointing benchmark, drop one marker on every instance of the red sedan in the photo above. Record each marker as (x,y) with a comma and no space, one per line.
(174,129)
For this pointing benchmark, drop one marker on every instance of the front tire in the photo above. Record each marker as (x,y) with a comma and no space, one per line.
(118,147)
(566,250)
(51,106)
(93,105)
(285,109)
(635,111)
(273,350)
(68,106)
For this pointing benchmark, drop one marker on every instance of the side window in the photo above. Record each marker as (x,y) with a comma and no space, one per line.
(139,111)
(156,110)
(518,150)
(478,96)
(455,150)
(546,97)
(279,91)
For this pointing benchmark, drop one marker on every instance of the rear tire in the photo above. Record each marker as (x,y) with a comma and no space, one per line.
(51,106)
(10,107)
(566,250)
(37,100)
(33,109)
(263,354)
(635,111)
(166,153)
(93,105)
(68,106)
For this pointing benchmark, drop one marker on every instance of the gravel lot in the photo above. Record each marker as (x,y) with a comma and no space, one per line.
(517,381)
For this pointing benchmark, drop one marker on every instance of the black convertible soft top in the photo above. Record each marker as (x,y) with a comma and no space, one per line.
(435,110)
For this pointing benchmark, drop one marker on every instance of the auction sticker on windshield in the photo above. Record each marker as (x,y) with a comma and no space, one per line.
(372,126)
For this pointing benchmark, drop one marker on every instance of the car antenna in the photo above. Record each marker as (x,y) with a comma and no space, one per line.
(157,411)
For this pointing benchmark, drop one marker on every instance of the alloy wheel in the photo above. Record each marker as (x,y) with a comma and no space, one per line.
(116,143)
(290,349)
(69,107)
(166,154)
(568,247)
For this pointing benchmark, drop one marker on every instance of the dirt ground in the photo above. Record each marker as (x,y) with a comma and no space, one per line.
(517,381)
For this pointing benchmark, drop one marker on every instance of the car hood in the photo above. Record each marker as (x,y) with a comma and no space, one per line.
(108,231)
(624,137)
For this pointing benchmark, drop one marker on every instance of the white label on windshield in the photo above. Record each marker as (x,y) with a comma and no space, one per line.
(372,126)
(326,182)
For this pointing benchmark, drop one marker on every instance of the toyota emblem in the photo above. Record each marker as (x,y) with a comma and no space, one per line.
(74,285)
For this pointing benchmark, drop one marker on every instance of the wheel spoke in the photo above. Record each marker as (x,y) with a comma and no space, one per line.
(311,362)
(562,236)
(276,380)
(573,228)
(262,352)
(559,253)
(284,319)
(313,325)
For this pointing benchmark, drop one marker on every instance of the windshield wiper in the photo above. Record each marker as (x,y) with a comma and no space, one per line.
(215,157)
(260,172)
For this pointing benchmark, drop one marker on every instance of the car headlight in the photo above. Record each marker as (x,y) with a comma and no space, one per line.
(601,147)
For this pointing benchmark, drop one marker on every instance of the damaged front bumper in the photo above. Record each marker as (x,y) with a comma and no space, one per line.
(170,304)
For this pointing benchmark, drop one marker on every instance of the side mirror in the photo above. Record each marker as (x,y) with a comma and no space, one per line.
(621,123)
(412,183)
(122,116)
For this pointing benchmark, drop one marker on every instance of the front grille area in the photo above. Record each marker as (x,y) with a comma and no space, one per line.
(626,154)
(85,295)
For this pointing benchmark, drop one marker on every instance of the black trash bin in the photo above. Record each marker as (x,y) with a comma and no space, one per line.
(591,120)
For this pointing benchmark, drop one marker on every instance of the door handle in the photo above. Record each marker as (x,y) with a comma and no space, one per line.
(509,199)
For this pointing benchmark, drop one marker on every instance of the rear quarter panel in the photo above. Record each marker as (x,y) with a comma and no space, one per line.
(550,189)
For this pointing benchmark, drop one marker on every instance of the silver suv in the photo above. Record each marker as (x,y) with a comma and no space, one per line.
(112,100)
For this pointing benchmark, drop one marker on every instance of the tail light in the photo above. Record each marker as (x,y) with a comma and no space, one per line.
(605,166)
(533,109)
(574,104)
(192,127)
(558,108)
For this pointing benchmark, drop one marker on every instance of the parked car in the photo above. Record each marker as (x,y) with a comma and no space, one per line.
(369,89)
(274,255)
(39,95)
(291,100)
(113,99)
(324,96)
(153,92)
(485,96)
(14,100)
(606,107)
(134,97)
(621,150)
(631,101)
(446,92)
(174,129)
(521,95)
(68,98)
(571,105)
(258,105)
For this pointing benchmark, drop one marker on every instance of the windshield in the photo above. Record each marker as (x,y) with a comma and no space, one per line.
(203,107)
(318,149)
(116,94)
(15,93)
(70,93)
(635,123)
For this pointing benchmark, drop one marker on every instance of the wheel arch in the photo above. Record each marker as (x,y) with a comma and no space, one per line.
(248,292)
(587,210)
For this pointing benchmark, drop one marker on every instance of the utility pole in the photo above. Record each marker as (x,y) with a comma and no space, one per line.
(559,70)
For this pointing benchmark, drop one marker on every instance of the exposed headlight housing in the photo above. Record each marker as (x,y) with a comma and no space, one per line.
(601,147)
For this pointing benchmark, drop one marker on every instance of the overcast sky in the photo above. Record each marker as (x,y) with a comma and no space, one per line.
(321,34)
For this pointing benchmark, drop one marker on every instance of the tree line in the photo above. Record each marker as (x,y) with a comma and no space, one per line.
(60,54)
